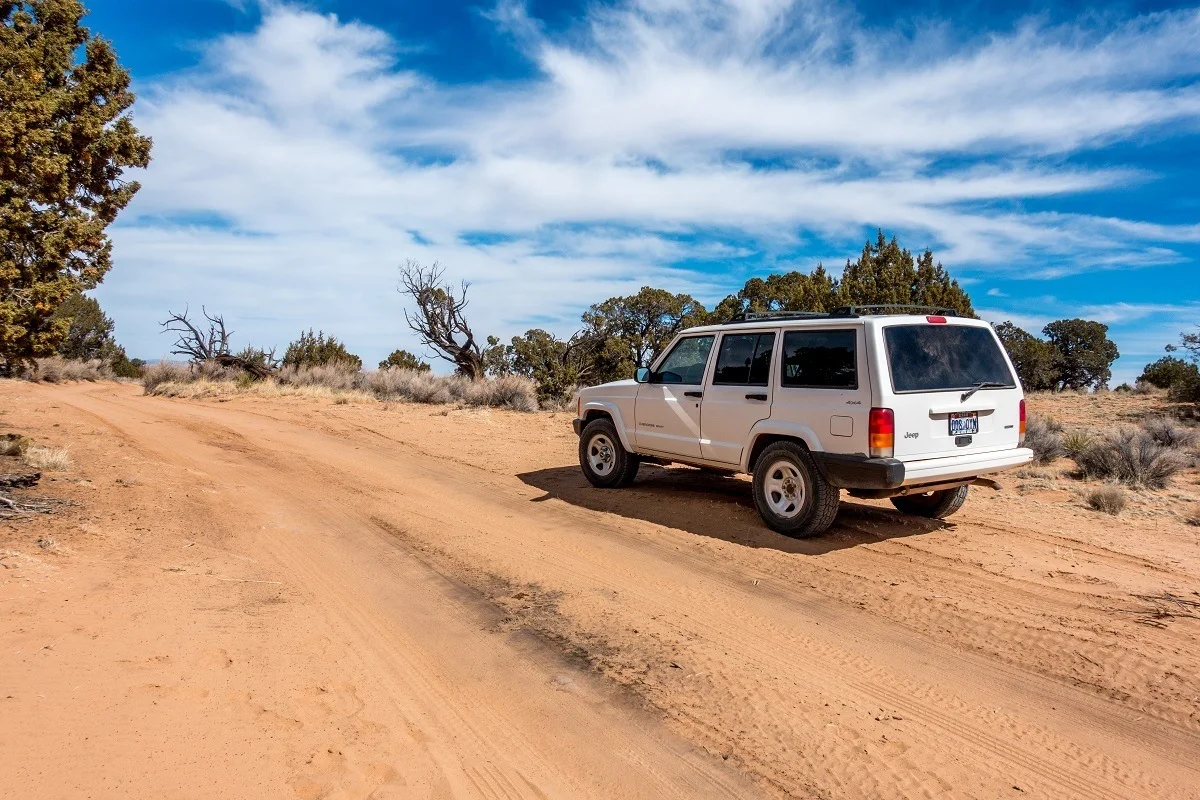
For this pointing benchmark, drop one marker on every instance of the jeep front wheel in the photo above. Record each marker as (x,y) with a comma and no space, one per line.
(791,495)
(605,462)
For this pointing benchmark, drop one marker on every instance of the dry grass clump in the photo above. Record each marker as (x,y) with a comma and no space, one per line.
(1131,457)
(1108,499)
(336,382)
(48,459)
(61,370)
(1193,516)
(1044,437)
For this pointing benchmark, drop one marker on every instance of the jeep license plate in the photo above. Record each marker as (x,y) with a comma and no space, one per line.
(964,422)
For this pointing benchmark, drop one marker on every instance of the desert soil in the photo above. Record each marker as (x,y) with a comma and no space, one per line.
(295,598)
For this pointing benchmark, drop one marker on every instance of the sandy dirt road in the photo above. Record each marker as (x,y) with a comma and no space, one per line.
(272,598)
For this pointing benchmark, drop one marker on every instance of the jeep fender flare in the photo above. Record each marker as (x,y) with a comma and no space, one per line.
(778,428)
(611,410)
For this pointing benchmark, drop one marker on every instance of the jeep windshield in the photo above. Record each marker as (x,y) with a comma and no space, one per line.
(942,358)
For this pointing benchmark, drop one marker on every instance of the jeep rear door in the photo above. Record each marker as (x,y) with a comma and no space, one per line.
(738,393)
(952,388)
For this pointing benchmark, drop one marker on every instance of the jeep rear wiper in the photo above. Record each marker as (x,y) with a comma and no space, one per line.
(975,387)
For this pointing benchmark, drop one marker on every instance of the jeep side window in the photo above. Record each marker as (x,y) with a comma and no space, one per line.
(685,363)
(819,359)
(744,359)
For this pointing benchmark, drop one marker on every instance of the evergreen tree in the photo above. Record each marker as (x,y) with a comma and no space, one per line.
(318,350)
(402,359)
(1085,353)
(1168,371)
(789,291)
(89,333)
(886,274)
(1036,360)
(630,332)
(65,142)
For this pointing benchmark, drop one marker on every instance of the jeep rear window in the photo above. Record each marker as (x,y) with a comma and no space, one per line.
(819,360)
(938,358)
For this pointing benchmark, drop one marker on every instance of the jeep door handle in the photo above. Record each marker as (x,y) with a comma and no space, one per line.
(762,397)
(693,394)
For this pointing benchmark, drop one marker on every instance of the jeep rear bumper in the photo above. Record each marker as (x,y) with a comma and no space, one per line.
(860,472)
(967,465)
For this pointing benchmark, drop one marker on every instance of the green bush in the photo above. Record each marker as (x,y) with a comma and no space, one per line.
(1169,371)
(402,359)
(317,350)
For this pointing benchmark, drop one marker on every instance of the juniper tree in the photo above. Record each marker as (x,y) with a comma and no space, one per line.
(885,273)
(65,142)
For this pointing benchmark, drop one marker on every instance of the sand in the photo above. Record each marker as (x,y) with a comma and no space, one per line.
(295,598)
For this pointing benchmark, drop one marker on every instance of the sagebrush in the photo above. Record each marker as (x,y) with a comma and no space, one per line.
(1131,457)
(392,385)
(1044,437)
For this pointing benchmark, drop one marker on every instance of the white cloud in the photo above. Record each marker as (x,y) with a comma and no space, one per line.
(301,162)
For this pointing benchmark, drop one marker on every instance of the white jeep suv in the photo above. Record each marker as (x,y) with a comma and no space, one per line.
(912,407)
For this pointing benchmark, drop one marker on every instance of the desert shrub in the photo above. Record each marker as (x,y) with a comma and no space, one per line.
(1109,499)
(1168,371)
(1076,441)
(63,370)
(402,359)
(1169,433)
(1186,390)
(50,459)
(415,386)
(1044,437)
(164,372)
(1141,387)
(1131,457)
(334,375)
(318,350)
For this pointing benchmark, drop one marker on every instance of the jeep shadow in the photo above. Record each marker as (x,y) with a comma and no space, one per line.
(720,506)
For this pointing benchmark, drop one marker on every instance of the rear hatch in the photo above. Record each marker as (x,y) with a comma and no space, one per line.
(953,388)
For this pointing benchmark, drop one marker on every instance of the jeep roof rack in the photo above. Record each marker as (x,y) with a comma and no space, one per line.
(893,308)
(841,312)
(765,316)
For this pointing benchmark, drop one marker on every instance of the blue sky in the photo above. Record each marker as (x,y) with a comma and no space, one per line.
(558,153)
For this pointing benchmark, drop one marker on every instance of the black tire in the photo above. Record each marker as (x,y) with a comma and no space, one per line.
(934,505)
(819,505)
(600,434)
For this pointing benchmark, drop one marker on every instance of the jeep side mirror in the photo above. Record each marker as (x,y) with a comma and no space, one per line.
(642,375)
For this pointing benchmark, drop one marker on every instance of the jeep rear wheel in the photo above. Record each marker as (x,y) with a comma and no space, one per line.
(935,505)
(791,495)
(605,462)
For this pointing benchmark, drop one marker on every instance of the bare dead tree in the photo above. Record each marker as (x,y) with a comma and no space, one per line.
(439,320)
(200,343)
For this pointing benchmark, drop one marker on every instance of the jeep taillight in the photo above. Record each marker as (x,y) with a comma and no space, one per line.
(1021,434)
(881,433)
